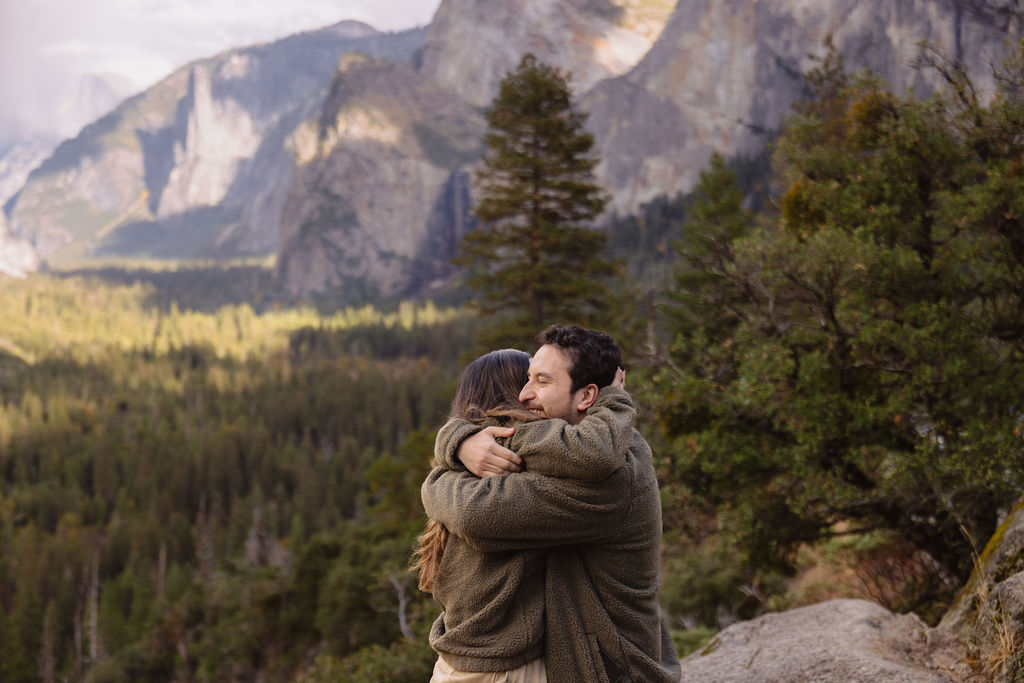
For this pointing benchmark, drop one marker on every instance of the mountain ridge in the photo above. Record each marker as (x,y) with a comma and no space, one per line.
(202,145)
(241,155)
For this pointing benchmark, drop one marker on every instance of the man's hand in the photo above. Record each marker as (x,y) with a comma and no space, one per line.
(620,379)
(485,457)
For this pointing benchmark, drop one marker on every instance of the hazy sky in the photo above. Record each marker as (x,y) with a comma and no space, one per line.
(46,45)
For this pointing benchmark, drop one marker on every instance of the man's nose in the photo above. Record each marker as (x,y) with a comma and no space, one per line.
(526,394)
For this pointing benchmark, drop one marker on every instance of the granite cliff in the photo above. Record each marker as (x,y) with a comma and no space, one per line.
(664,90)
(382,189)
(472,44)
(380,193)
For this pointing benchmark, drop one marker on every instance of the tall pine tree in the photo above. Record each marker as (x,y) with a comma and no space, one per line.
(535,261)
(707,292)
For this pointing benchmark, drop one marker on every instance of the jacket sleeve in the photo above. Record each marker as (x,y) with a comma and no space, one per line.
(589,451)
(448,440)
(526,510)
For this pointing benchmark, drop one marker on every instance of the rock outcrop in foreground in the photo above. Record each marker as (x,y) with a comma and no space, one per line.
(854,641)
(981,638)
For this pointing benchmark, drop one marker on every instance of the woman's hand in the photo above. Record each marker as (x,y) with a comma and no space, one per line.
(485,457)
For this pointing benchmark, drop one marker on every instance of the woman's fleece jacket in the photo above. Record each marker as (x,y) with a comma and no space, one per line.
(601,534)
(493,602)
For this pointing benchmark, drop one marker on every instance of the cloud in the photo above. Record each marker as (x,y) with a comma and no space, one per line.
(69,48)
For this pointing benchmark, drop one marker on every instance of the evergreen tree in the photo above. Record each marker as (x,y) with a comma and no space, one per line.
(160,472)
(857,357)
(707,291)
(536,261)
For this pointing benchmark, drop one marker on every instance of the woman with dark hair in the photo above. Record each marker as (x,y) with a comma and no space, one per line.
(494,617)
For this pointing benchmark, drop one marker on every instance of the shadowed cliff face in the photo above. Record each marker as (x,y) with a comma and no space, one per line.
(380,194)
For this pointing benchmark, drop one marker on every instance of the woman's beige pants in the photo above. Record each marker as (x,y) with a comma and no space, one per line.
(534,672)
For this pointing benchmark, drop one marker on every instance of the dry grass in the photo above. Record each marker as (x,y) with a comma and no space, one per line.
(994,658)
(1006,647)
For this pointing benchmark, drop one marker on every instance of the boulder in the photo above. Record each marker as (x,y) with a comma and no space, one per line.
(851,641)
(980,638)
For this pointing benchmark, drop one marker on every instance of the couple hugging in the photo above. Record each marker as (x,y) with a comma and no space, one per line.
(542,549)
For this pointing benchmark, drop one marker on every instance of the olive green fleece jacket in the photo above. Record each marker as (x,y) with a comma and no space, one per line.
(493,602)
(603,537)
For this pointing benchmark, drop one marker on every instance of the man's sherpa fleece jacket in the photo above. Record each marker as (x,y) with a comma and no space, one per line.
(603,537)
(493,617)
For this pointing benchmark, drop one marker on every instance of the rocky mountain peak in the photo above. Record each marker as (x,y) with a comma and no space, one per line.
(352,29)
(215,135)
(96,95)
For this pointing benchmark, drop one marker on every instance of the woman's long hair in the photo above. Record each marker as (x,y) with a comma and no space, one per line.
(488,393)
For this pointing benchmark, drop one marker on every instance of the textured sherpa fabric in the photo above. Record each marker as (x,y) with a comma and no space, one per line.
(494,617)
(603,537)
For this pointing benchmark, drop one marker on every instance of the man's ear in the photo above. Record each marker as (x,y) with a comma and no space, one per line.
(588,395)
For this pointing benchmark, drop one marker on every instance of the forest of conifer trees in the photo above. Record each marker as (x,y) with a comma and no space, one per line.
(204,496)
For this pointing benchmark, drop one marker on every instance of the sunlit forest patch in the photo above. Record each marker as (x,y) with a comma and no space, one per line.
(85,315)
